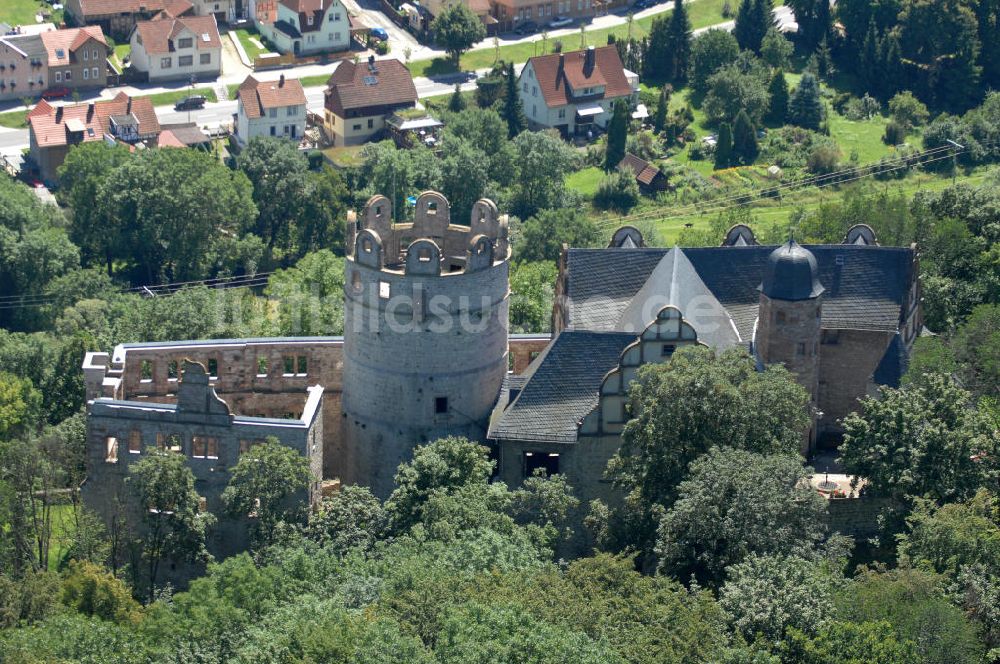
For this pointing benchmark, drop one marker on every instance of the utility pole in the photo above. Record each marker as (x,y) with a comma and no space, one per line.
(954,157)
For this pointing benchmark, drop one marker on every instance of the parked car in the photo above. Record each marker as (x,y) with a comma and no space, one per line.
(192,103)
(644,4)
(526,28)
(56,93)
(380,33)
(560,22)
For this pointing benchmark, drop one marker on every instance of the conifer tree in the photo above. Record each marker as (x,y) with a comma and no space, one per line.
(745,147)
(457,102)
(513,110)
(617,134)
(680,41)
(724,147)
(805,107)
(752,23)
(777,110)
(744,19)
(660,119)
(891,70)
(869,60)
(658,59)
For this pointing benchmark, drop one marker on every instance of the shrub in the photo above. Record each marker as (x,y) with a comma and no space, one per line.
(895,133)
(618,192)
(382,48)
(823,159)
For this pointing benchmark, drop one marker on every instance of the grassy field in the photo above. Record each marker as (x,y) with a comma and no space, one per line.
(22,12)
(769,214)
(251,48)
(702,13)
(121,54)
(585,181)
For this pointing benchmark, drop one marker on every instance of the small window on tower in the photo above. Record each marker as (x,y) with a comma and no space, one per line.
(172,370)
(261,366)
(800,349)
(779,317)
(213,368)
(147,371)
(533,461)
(441,405)
(668,350)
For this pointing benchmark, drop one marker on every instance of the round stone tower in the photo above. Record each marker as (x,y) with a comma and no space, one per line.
(425,331)
(790,317)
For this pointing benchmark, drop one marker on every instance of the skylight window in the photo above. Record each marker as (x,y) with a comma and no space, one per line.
(204,37)
(60,53)
(370,80)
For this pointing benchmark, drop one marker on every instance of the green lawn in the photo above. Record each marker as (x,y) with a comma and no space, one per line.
(251,48)
(14,119)
(22,12)
(172,97)
(121,54)
(702,13)
(585,181)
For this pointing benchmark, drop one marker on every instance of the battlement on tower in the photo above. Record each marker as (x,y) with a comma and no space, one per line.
(430,245)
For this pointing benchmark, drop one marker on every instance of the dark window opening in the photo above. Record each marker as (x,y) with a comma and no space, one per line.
(172,370)
(213,368)
(668,350)
(301,365)
(441,405)
(780,317)
(289,365)
(147,370)
(831,337)
(261,366)
(546,461)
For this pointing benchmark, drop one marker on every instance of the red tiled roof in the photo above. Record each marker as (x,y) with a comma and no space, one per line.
(60,44)
(355,86)
(166,139)
(555,81)
(176,9)
(304,8)
(105,7)
(159,36)
(258,96)
(47,124)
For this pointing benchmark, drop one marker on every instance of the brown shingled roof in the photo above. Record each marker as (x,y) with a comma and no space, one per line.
(643,171)
(60,44)
(159,36)
(104,7)
(355,86)
(48,124)
(258,96)
(557,72)
(176,9)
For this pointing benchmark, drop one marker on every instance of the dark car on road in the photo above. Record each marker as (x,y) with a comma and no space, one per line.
(644,4)
(192,103)
(526,28)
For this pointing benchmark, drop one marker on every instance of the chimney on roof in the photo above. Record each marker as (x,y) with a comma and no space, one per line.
(589,59)
(562,61)
(281,81)
(128,106)
(90,111)
(59,114)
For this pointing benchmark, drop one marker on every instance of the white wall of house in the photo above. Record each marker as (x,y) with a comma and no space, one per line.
(225,8)
(333,35)
(181,63)
(541,115)
(287,121)
(352,131)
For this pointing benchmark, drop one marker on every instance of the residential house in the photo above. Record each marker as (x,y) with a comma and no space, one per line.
(650,178)
(307,27)
(24,67)
(116,17)
(573,92)
(224,11)
(511,13)
(360,97)
(76,57)
(270,108)
(54,129)
(177,48)
(480,8)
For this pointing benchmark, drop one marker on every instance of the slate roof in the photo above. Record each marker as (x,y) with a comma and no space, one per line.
(865,285)
(555,80)
(256,97)
(563,387)
(160,36)
(30,45)
(390,85)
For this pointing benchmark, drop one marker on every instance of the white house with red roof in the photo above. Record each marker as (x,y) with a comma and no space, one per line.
(177,48)
(574,91)
(270,108)
(307,27)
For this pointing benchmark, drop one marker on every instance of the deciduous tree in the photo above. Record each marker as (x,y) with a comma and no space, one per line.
(456,29)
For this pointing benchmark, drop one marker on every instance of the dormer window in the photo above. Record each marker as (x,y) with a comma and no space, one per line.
(309,19)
